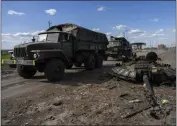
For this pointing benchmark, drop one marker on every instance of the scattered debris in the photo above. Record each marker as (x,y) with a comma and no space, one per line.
(111,87)
(58,103)
(118,64)
(6,121)
(52,118)
(135,101)
(123,94)
(136,112)
(164,101)
(168,110)
(154,115)
(157,112)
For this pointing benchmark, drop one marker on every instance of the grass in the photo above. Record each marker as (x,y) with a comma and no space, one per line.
(5,56)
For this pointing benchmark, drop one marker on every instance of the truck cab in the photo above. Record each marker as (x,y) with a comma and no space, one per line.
(119,48)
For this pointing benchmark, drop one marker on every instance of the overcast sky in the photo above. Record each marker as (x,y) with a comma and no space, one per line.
(144,21)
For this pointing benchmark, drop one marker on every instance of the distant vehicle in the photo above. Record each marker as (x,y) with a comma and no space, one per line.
(119,48)
(137,46)
(59,48)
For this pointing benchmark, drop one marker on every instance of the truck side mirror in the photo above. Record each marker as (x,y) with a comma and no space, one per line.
(33,39)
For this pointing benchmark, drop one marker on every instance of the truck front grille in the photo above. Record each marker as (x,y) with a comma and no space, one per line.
(20,52)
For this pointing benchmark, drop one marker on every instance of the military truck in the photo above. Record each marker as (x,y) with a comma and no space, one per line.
(59,48)
(119,48)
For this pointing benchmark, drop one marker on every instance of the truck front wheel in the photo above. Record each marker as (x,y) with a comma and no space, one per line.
(54,70)
(99,61)
(25,72)
(90,62)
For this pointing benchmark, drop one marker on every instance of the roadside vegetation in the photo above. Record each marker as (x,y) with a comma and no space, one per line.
(4,56)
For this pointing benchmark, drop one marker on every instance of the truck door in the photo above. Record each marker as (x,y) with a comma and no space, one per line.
(66,45)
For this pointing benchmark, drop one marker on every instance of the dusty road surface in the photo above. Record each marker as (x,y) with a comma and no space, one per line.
(82,97)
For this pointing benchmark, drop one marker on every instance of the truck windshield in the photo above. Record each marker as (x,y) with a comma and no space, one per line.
(112,44)
(53,37)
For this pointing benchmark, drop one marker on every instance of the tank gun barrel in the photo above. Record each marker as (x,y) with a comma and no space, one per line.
(148,84)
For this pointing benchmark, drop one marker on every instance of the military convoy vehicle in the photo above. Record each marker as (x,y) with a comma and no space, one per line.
(59,48)
(119,48)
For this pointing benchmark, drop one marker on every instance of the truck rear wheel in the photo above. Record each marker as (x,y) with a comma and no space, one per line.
(25,72)
(54,70)
(99,61)
(90,62)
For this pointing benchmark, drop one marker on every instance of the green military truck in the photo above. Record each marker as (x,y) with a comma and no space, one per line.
(59,48)
(119,48)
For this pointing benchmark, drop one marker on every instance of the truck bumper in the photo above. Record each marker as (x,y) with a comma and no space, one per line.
(20,62)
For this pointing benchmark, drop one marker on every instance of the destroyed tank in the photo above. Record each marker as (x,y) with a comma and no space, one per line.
(149,65)
(148,71)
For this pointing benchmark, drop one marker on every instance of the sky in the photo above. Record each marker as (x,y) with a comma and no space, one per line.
(141,21)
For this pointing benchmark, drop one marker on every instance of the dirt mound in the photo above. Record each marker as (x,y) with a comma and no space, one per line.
(169,57)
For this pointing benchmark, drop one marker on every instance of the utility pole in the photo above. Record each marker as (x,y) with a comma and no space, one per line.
(49,23)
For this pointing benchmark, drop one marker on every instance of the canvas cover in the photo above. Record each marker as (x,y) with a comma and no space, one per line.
(80,32)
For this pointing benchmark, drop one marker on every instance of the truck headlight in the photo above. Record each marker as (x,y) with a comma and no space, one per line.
(35,55)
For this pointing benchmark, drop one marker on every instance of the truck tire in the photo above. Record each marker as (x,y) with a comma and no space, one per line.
(54,70)
(25,72)
(99,61)
(77,64)
(90,62)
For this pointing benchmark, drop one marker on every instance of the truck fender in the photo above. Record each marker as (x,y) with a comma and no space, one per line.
(52,54)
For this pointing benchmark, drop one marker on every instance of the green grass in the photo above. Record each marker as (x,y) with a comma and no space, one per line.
(5,56)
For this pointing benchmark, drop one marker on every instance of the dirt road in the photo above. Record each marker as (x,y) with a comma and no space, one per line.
(14,85)
(82,97)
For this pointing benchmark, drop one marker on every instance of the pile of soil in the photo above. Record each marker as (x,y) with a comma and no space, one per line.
(169,57)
